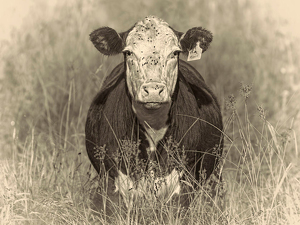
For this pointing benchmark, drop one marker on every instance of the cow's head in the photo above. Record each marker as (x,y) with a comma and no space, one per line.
(151,50)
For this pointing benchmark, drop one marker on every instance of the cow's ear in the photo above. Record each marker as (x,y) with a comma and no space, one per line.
(108,41)
(195,41)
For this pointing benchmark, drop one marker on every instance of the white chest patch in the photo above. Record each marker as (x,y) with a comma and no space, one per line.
(150,188)
(154,136)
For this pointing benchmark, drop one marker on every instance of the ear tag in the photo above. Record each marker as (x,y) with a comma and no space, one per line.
(195,53)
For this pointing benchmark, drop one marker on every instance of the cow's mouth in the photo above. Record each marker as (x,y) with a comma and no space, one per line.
(152,105)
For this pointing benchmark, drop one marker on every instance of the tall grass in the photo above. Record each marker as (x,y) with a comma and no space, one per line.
(52,72)
(44,186)
(259,168)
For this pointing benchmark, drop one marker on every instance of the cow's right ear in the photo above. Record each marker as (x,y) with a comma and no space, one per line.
(108,41)
(194,42)
(194,36)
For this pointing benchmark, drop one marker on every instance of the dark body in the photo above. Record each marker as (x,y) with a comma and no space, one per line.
(195,124)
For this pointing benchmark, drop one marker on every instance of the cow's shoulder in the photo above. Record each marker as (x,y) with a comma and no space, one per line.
(110,82)
(109,87)
(189,72)
(117,73)
(195,82)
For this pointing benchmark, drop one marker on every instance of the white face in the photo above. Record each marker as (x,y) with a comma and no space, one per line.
(152,54)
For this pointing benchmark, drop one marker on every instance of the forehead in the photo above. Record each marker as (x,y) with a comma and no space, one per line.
(152,32)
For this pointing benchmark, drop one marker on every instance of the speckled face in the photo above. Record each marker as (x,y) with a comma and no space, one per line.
(151,54)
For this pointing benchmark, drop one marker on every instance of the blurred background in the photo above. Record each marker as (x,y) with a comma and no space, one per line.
(50,72)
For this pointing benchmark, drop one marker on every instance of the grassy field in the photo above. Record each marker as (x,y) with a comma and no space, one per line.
(51,72)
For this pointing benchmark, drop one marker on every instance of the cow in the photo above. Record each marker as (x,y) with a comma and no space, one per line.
(157,106)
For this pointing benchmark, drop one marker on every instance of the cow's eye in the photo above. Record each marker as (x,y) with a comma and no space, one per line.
(127,53)
(176,53)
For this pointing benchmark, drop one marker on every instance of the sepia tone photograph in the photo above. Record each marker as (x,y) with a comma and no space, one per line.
(150,112)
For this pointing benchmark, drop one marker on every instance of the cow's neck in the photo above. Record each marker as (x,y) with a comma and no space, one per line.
(154,121)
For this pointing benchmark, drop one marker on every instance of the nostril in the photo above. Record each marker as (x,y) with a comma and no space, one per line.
(161,90)
(145,89)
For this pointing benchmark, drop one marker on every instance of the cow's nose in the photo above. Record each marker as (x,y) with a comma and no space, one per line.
(153,89)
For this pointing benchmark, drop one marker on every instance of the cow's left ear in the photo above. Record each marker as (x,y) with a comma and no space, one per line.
(195,41)
(108,41)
